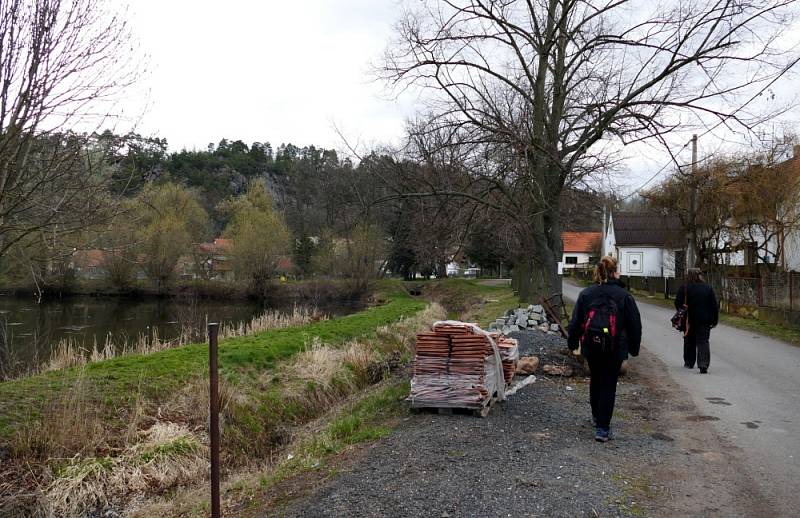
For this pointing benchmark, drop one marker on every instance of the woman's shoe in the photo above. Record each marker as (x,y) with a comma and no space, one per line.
(603,435)
(703,371)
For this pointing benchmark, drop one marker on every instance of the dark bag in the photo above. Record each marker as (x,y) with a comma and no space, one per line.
(600,328)
(680,318)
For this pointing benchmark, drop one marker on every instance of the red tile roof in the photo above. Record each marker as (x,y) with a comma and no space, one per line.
(581,241)
(90,258)
(219,246)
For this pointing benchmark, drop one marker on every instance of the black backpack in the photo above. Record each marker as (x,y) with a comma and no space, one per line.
(600,329)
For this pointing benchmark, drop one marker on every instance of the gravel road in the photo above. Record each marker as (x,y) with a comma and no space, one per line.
(534,455)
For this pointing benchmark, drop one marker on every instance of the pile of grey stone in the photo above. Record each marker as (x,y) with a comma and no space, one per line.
(518,319)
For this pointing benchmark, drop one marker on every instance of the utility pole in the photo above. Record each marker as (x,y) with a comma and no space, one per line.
(691,253)
(605,229)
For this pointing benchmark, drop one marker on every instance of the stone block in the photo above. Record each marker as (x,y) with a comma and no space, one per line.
(558,370)
(527,365)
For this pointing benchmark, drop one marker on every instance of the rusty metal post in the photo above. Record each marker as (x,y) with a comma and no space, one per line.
(213,332)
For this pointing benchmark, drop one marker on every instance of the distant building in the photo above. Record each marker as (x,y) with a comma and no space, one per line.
(647,244)
(211,261)
(579,248)
(90,264)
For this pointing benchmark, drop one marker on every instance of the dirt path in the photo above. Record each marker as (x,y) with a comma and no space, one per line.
(534,456)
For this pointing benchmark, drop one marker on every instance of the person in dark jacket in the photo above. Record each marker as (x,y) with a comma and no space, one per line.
(703,314)
(604,365)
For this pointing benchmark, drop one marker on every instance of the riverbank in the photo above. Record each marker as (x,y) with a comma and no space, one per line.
(124,431)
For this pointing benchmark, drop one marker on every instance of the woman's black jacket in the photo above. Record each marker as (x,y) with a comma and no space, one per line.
(703,305)
(627,312)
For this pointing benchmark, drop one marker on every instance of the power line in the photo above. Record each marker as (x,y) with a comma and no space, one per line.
(718,124)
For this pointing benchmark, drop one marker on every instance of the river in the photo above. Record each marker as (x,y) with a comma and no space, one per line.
(29,331)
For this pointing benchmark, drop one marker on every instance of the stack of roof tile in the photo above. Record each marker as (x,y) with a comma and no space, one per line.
(454,366)
(509,353)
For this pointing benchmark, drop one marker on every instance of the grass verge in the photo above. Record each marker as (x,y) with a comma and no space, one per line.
(470,299)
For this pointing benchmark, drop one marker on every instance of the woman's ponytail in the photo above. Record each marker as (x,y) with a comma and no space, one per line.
(604,268)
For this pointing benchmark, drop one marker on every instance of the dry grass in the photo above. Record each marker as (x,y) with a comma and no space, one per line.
(299,316)
(71,425)
(169,455)
(322,375)
(399,337)
(190,405)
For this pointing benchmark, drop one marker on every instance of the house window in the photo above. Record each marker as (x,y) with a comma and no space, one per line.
(571,259)
(635,260)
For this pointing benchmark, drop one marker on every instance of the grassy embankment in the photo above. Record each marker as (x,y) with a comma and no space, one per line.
(135,426)
(470,300)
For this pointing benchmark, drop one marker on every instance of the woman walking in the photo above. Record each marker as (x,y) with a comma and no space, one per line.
(703,314)
(606,324)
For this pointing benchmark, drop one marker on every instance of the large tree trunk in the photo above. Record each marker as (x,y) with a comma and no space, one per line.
(536,271)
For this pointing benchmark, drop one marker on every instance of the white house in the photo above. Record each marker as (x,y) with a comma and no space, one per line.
(646,244)
(579,248)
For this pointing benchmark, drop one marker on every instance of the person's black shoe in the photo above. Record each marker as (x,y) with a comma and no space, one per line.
(688,366)
(703,371)
(603,435)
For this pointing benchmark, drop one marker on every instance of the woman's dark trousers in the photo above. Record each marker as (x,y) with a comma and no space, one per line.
(603,387)
(696,346)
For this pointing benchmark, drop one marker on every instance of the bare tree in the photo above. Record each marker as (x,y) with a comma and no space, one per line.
(541,90)
(740,206)
(62,65)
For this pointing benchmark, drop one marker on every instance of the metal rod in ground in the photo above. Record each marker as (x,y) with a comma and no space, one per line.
(213,332)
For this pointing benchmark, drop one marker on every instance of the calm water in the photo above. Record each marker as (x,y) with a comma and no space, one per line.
(29,331)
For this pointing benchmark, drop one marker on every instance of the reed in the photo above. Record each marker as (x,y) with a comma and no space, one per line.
(70,352)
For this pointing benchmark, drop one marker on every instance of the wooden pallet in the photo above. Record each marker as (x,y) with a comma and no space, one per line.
(477,409)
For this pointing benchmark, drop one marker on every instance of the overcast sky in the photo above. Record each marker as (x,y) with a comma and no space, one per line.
(276,71)
(280,71)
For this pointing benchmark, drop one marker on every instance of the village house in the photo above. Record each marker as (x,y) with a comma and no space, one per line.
(579,248)
(210,260)
(776,240)
(90,264)
(647,244)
